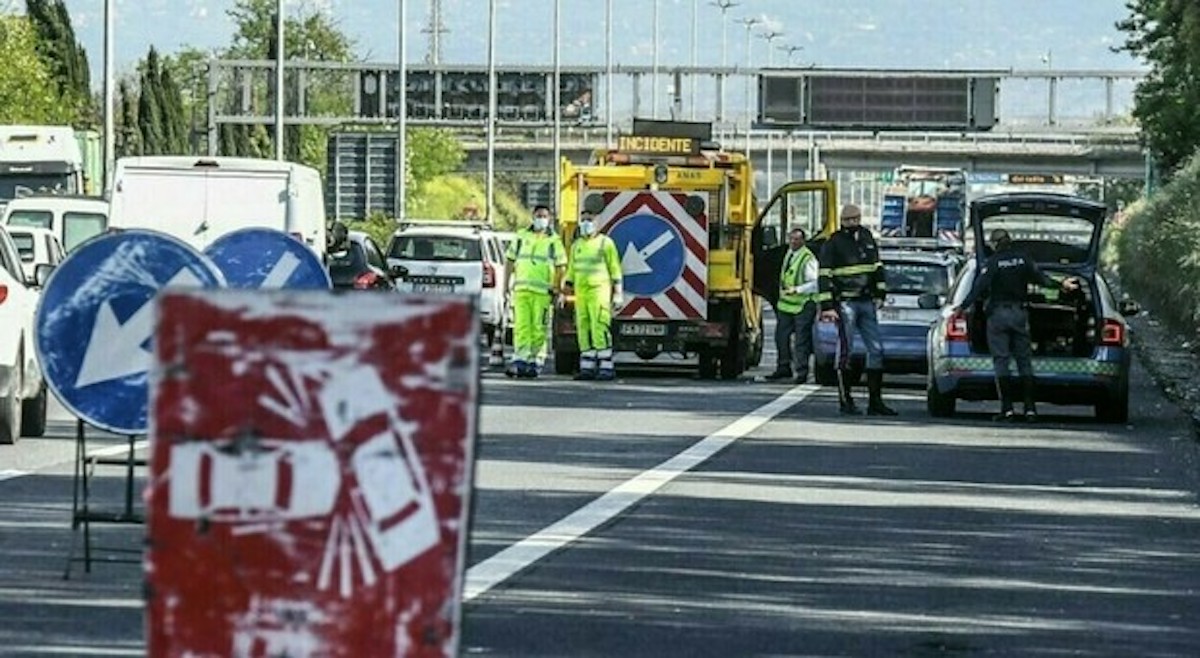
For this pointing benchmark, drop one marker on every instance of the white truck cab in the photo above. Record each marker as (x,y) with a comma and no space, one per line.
(71,218)
(39,159)
(199,199)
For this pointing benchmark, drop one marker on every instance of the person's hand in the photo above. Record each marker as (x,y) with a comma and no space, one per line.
(829,316)
(878,304)
(618,301)
(1070,284)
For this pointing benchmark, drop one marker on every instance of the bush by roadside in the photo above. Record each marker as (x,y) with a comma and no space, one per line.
(1158,251)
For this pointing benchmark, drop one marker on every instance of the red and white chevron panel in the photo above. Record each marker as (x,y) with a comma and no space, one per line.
(687,297)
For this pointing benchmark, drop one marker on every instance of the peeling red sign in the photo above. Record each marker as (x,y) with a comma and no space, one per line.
(312,459)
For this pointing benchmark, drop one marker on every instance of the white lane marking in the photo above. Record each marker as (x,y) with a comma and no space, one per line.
(110,451)
(514,559)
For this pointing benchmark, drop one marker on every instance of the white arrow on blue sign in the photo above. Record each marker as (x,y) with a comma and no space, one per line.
(262,258)
(652,253)
(96,317)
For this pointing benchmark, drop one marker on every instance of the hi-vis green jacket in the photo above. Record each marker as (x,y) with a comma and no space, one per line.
(850,269)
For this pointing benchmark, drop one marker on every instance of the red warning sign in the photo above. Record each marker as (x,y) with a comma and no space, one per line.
(312,460)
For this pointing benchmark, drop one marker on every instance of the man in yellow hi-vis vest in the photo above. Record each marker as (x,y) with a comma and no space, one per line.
(536,259)
(796,310)
(594,272)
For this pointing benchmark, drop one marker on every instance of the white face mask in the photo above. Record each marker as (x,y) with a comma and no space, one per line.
(541,223)
(587,227)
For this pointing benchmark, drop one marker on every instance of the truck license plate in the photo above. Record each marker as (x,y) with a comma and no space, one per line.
(643,330)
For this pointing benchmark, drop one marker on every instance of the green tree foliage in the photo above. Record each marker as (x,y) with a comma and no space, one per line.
(63,56)
(162,126)
(311,35)
(28,92)
(128,137)
(434,152)
(1166,35)
(1159,250)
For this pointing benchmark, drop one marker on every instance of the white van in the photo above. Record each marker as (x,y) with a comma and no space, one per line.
(199,199)
(72,219)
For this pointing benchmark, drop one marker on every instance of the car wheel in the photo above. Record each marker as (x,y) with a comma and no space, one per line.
(10,415)
(825,374)
(565,362)
(1114,409)
(33,414)
(940,405)
(708,364)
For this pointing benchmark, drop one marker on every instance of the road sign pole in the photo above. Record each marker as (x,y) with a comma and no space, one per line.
(608,72)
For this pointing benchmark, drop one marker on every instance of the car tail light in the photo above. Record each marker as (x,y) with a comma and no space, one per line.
(3,293)
(1112,334)
(366,281)
(489,275)
(956,327)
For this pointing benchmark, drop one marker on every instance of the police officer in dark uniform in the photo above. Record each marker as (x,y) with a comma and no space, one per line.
(1005,281)
(852,288)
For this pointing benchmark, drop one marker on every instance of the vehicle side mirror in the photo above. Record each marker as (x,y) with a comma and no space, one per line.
(41,274)
(770,237)
(929,301)
(1129,307)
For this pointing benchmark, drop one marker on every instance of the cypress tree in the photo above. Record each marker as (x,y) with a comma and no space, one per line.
(150,121)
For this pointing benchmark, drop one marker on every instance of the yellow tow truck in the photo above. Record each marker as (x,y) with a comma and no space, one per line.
(697,256)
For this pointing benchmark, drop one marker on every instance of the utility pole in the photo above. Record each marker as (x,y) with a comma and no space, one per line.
(608,71)
(435,29)
(770,36)
(557,105)
(654,77)
(695,46)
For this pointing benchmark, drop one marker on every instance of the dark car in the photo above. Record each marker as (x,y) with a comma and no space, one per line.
(358,264)
(1080,340)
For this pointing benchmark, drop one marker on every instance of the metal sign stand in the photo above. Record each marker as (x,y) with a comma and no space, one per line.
(82,514)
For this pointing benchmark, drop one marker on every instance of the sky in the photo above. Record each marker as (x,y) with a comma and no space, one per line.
(868,33)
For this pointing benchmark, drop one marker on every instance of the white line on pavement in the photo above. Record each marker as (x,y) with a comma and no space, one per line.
(9,474)
(510,561)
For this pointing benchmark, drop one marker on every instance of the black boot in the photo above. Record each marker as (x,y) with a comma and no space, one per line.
(1005,386)
(845,402)
(876,407)
(779,374)
(1030,395)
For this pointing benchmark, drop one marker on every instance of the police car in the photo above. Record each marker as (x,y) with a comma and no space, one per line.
(918,280)
(1080,339)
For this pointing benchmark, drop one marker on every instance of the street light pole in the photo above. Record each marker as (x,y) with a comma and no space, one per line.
(654,75)
(491,114)
(109,98)
(749,23)
(695,30)
(280,49)
(557,105)
(724,6)
(402,116)
(608,71)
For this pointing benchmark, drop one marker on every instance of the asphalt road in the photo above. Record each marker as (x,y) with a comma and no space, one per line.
(688,518)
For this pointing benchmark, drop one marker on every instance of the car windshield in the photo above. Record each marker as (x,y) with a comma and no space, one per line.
(14,185)
(435,247)
(1047,238)
(33,218)
(79,227)
(915,278)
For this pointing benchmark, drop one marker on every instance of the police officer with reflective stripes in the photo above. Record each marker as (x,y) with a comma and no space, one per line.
(796,310)
(535,259)
(1005,280)
(852,288)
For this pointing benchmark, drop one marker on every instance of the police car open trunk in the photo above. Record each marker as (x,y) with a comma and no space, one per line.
(1062,235)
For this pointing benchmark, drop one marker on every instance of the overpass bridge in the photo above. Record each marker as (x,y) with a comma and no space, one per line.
(1111,153)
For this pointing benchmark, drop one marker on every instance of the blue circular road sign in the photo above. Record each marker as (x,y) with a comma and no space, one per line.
(96,318)
(265,258)
(652,253)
